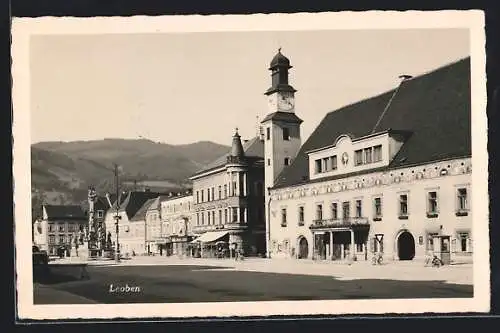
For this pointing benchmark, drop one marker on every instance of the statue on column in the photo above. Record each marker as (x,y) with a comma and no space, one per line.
(91,228)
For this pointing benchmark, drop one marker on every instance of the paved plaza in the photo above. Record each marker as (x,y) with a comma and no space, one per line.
(165,280)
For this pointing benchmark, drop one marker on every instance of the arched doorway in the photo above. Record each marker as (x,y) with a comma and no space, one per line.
(406,246)
(303,248)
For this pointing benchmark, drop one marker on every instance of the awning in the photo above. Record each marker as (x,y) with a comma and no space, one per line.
(210,236)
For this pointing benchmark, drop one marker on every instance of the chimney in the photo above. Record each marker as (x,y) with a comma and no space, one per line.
(146,189)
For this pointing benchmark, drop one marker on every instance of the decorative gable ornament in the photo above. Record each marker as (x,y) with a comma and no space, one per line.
(345,158)
(397,179)
(378,182)
(420,175)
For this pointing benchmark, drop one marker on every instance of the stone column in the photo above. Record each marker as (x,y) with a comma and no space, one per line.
(352,247)
(238,189)
(331,245)
(245,193)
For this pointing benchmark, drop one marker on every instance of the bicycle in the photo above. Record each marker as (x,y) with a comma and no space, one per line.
(377,259)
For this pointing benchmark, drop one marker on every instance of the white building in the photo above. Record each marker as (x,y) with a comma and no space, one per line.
(386,174)
(176,223)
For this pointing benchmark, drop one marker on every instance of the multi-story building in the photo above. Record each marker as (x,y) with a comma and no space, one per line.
(389,174)
(176,223)
(154,241)
(131,234)
(229,198)
(57,228)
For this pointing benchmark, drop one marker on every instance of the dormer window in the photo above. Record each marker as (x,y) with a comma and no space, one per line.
(368,155)
(358,157)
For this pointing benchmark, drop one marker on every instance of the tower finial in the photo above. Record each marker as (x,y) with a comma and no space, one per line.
(279,49)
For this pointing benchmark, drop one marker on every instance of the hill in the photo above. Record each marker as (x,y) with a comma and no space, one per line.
(62,171)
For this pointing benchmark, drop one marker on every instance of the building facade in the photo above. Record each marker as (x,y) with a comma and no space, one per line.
(229,198)
(154,239)
(176,223)
(131,234)
(58,227)
(390,174)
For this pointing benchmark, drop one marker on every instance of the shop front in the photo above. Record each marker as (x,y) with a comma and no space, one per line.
(339,240)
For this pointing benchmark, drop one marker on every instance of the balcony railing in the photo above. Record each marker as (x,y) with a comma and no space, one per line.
(340,223)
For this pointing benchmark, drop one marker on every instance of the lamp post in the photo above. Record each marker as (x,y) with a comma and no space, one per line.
(117,217)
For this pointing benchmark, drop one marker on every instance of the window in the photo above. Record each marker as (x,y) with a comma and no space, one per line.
(100,213)
(220,192)
(358,208)
(377,202)
(202,218)
(358,157)
(432,202)
(283,217)
(318,166)
(235,214)
(225,215)
(220,216)
(202,199)
(268,133)
(61,239)
(197,218)
(286,134)
(287,161)
(301,215)
(462,199)
(333,162)
(61,228)
(368,155)
(234,187)
(51,227)
(213,217)
(464,245)
(268,161)
(403,205)
(319,212)
(377,153)
(346,213)
(335,213)
(52,239)
(225,191)
(208,218)
(208,194)
(213,194)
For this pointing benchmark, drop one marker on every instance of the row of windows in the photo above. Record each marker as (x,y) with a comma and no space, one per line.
(432,207)
(179,207)
(62,239)
(286,161)
(326,164)
(368,155)
(60,227)
(222,192)
(223,216)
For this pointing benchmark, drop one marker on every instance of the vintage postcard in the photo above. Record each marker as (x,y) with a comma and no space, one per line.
(250,165)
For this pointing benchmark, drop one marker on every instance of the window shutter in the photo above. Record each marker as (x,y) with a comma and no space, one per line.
(382,246)
(469,244)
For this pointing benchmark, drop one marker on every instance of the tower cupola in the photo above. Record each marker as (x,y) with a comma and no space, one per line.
(237,147)
(279,67)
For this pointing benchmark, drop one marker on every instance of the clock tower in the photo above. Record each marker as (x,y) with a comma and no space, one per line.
(281,95)
(280,128)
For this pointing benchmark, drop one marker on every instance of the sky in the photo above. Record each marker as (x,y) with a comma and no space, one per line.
(180,88)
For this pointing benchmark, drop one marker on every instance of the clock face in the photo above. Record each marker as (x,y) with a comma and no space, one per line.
(286,102)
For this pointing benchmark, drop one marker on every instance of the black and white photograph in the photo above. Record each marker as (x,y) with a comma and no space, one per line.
(250,165)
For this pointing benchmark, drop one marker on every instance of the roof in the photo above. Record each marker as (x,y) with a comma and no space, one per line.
(156,203)
(279,60)
(134,200)
(253,149)
(58,212)
(434,107)
(140,215)
(283,116)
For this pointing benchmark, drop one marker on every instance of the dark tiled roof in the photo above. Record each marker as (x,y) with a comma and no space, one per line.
(283,116)
(253,148)
(434,107)
(74,212)
(141,213)
(134,200)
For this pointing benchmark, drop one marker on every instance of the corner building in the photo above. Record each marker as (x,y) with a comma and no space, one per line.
(386,174)
(228,199)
